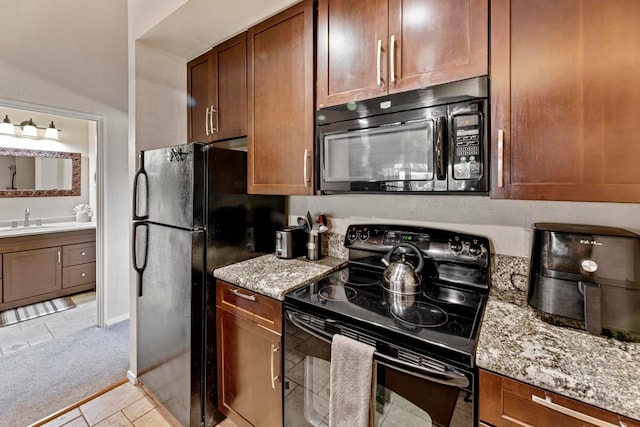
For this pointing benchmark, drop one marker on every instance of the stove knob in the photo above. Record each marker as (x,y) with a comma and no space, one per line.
(364,235)
(352,235)
(475,249)
(455,246)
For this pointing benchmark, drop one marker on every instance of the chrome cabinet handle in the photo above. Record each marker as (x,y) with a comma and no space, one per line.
(241,295)
(82,253)
(206,122)
(547,403)
(83,274)
(274,378)
(305,176)
(500,158)
(379,64)
(392,60)
(213,129)
(59,258)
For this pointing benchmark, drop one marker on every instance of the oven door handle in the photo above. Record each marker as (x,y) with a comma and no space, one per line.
(450,378)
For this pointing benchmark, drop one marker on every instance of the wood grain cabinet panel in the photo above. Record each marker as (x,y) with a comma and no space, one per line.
(281,83)
(78,254)
(79,275)
(369,49)
(565,92)
(217,89)
(41,267)
(30,273)
(249,331)
(507,402)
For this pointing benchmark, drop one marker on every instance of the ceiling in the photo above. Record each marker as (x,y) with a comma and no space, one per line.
(198,25)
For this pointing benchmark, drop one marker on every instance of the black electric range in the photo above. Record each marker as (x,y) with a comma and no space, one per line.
(442,321)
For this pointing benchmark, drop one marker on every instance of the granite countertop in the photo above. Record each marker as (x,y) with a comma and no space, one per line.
(516,343)
(273,276)
(53,227)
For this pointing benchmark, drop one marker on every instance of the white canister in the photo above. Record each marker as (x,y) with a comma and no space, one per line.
(82,217)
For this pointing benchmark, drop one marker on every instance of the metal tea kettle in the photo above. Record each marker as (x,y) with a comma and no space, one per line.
(400,276)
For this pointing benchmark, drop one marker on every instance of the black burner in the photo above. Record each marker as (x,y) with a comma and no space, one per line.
(337,293)
(420,314)
(446,295)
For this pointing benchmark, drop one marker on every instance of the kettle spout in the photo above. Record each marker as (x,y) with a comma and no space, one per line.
(385,262)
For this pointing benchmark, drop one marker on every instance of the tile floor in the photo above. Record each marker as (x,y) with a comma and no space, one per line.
(32,332)
(124,406)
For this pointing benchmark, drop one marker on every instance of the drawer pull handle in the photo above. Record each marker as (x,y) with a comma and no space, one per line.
(83,253)
(547,403)
(378,64)
(241,295)
(500,158)
(59,259)
(83,274)
(274,378)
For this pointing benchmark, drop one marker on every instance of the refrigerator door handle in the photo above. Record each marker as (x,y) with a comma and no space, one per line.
(136,178)
(140,268)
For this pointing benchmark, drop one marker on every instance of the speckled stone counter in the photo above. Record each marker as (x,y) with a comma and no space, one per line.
(273,276)
(514,342)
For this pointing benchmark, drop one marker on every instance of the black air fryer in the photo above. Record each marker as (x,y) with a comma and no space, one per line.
(587,274)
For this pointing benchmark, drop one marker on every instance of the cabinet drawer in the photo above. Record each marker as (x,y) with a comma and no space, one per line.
(506,402)
(79,254)
(78,275)
(262,310)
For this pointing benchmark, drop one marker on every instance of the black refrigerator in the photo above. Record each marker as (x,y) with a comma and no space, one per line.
(191,215)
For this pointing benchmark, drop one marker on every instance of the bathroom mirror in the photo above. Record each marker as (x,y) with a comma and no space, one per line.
(35,173)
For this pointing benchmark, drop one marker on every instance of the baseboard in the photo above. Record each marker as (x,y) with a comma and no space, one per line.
(133,379)
(118,319)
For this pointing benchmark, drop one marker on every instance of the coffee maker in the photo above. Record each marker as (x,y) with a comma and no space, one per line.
(588,276)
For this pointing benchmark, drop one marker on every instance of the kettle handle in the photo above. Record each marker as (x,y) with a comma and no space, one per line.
(387,258)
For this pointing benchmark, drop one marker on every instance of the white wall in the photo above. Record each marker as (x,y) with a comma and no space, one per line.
(72,54)
(506,222)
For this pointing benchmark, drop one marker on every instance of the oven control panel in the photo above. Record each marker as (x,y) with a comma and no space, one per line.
(438,244)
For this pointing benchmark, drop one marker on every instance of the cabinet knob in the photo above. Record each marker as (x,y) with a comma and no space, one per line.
(83,274)
(82,253)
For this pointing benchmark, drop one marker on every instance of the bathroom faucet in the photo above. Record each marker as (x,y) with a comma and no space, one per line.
(27,212)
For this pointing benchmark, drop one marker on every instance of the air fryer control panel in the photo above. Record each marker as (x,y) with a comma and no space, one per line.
(467,141)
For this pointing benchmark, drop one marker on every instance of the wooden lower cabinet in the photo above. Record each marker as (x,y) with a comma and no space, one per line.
(507,402)
(249,360)
(41,267)
(31,273)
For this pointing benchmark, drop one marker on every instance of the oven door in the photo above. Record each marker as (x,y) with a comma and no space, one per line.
(400,152)
(404,397)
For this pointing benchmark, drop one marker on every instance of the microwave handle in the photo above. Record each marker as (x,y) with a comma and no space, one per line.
(440,148)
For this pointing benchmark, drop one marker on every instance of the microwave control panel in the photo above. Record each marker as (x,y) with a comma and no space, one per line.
(467,145)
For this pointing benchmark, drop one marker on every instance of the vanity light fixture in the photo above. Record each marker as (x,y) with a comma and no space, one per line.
(51,132)
(29,128)
(6,126)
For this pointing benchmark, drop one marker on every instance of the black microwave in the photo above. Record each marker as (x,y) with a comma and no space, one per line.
(432,140)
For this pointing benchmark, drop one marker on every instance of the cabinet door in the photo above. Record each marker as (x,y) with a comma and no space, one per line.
(229,89)
(352,50)
(434,41)
(199,99)
(249,358)
(281,69)
(31,273)
(565,92)
(506,402)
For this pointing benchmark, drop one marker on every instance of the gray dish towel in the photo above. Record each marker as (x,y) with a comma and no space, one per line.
(350,381)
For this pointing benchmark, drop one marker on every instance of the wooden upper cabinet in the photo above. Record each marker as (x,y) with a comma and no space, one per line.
(199,99)
(564,91)
(281,70)
(369,49)
(217,88)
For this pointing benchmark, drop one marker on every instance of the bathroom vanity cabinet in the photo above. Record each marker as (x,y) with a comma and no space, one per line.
(40,267)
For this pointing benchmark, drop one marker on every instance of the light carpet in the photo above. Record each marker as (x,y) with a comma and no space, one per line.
(31,311)
(43,379)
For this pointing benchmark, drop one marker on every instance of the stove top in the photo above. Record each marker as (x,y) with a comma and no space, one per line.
(442,320)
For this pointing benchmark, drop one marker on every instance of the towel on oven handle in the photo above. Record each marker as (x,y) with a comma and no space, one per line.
(351,377)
